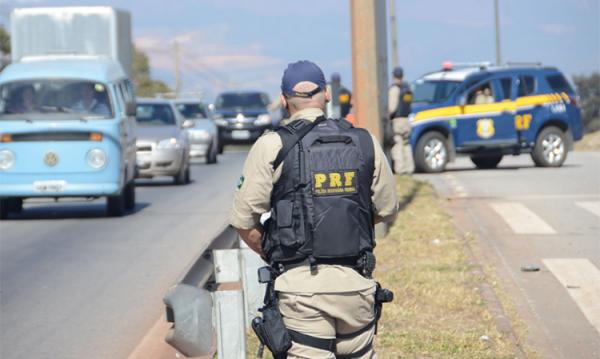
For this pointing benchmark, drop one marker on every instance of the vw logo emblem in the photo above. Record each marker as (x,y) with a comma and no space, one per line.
(51,159)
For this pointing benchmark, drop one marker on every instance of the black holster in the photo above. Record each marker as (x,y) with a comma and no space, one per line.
(269,328)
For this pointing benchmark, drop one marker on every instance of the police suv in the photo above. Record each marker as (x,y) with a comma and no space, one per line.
(487,112)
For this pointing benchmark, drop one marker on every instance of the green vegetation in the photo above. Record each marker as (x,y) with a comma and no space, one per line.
(145,86)
(588,88)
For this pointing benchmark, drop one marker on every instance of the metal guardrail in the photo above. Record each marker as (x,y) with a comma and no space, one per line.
(189,303)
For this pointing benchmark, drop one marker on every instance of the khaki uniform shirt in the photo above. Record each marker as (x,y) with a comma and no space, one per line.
(253,198)
(393,99)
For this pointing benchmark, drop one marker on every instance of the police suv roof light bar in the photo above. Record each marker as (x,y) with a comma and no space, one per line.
(449,65)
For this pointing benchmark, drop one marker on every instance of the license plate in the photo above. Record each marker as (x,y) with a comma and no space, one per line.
(240,134)
(50,186)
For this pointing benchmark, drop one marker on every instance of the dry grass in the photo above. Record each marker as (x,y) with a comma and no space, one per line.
(437,311)
(589,142)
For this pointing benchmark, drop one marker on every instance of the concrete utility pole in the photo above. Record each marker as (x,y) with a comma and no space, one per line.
(394,34)
(497,20)
(369,63)
(177,68)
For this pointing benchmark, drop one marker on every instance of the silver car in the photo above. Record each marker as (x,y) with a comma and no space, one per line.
(163,147)
(204,139)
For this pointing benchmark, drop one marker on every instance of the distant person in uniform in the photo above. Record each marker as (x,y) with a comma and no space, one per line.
(90,101)
(341,97)
(322,262)
(399,107)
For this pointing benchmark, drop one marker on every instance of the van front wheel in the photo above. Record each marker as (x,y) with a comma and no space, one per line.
(115,205)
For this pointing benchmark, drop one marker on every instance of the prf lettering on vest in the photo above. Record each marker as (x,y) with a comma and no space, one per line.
(334,182)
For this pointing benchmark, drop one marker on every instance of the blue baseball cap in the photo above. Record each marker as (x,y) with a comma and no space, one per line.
(398,72)
(302,71)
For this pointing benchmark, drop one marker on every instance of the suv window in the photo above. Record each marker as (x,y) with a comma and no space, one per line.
(559,84)
(526,85)
(505,85)
(481,94)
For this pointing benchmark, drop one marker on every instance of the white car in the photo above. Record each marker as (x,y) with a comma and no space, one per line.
(163,147)
(203,135)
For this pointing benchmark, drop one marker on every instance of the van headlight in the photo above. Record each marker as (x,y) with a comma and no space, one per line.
(263,120)
(7,159)
(169,143)
(96,158)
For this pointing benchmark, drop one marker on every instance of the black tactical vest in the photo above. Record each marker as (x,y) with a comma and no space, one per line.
(404,101)
(321,206)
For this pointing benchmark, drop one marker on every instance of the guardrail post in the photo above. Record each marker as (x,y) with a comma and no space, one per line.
(229,305)
(253,291)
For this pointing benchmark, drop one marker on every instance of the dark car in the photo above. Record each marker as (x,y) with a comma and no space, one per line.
(242,117)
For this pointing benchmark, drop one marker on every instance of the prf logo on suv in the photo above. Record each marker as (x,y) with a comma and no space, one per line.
(488,112)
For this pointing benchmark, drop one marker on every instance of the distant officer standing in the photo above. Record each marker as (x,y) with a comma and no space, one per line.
(341,97)
(325,185)
(399,102)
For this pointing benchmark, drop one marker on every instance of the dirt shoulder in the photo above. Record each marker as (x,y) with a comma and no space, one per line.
(442,300)
(589,142)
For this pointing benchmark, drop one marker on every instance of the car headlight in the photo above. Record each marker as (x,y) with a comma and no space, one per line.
(7,159)
(221,122)
(168,143)
(263,120)
(96,158)
(200,135)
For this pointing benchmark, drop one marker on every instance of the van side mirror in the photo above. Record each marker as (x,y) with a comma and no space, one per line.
(187,124)
(131,109)
(462,100)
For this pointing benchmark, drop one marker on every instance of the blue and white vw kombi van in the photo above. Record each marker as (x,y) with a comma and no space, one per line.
(67,129)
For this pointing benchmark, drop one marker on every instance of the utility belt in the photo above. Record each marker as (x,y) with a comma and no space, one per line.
(272,333)
(364,264)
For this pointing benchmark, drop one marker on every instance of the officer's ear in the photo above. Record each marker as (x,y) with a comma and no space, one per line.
(284,103)
(327,95)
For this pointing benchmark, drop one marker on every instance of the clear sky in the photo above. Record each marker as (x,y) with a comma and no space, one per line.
(247,44)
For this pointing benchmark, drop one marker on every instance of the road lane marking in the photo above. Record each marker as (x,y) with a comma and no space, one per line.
(521,219)
(593,207)
(582,280)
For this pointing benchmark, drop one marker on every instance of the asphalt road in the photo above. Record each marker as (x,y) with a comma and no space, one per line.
(76,284)
(546,218)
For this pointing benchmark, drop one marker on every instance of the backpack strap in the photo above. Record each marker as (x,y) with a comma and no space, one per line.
(291,134)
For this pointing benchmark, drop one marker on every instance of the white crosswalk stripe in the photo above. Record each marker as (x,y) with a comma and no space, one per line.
(593,207)
(582,280)
(521,219)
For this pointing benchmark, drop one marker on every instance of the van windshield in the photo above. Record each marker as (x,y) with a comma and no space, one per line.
(41,99)
(433,91)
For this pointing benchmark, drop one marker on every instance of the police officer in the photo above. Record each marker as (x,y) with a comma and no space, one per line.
(341,97)
(399,101)
(325,185)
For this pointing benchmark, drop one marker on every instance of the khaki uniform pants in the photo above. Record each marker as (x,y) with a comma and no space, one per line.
(401,151)
(324,315)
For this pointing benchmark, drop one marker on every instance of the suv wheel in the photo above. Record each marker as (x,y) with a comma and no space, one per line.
(486,162)
(431,153)
(550,148)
